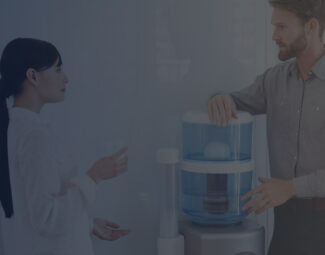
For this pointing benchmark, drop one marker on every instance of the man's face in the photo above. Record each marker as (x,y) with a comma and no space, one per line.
(289,34)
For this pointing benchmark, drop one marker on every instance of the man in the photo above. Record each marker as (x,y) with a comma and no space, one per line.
(292,94)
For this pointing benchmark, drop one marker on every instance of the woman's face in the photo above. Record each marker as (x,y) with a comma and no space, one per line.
(52,84)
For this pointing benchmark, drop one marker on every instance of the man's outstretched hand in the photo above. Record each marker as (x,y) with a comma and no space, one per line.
(272,192)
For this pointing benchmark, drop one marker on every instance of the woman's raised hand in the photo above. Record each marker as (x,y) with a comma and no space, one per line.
(109,167)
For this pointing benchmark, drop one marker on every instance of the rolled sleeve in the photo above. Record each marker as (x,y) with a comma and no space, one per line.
(312,185)
(252,98)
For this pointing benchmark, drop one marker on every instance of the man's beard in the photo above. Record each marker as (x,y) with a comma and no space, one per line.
(294,49)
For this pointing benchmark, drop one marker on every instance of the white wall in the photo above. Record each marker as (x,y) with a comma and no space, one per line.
(134,68)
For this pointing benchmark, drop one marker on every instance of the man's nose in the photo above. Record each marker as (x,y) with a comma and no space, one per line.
(275,36)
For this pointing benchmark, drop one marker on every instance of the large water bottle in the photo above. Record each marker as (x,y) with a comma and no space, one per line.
(217,168)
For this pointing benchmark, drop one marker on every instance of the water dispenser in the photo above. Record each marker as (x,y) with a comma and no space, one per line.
(216,167)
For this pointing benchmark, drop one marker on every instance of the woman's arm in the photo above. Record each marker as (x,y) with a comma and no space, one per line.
(50,212)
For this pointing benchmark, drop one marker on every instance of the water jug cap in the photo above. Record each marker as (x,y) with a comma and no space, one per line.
(200,117)
(221,167)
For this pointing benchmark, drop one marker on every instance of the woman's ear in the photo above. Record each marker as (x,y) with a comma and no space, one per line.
(32,76)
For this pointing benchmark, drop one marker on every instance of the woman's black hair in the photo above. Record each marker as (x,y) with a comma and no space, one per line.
(18,56)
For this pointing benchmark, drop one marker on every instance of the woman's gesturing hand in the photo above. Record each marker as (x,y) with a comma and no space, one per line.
(109,167)
(109,231)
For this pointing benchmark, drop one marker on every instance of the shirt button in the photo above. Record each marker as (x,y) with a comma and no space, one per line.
(295,157)
(298,111)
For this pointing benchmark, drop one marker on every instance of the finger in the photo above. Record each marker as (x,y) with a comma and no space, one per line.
(228,107)
(210,111)
(111,224)
(116,234)
(108,235)
(120,170)
(252,192)
(221,111)
(252,202)
(234,111)
(123,160)
(124,234)
(215,111)
(258,205)
(227,110)
(125,164)
(212,108)
(121,232)
(263,180)
(267,206)
(119,153)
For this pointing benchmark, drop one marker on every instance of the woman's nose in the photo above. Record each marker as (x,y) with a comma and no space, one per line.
(65,78)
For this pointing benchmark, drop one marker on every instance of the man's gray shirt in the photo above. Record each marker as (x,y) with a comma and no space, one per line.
(295,123)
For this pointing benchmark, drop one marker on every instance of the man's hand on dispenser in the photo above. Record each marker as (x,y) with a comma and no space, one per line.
(272,192)
(221,109)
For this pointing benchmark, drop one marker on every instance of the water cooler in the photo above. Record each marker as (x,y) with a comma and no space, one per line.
(215,167)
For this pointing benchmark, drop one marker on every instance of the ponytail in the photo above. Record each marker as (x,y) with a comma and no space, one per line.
(5,189)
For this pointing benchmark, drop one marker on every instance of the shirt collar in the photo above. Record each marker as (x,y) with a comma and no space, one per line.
(25,114)
(318,68)
(293,68)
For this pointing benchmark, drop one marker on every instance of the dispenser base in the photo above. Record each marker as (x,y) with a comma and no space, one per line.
(246,238)
(171,246)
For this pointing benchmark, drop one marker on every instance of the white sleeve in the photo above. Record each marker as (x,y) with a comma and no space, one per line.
(50,212)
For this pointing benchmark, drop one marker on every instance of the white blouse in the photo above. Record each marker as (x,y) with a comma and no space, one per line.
(50,197)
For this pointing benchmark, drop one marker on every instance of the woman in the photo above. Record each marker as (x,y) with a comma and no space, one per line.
(45,202)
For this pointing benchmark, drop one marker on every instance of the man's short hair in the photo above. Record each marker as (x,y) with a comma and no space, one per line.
(304,10)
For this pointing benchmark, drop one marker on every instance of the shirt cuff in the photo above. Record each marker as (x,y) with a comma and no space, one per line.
(218,92)
(232,98)
(304,186)
(87,188)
